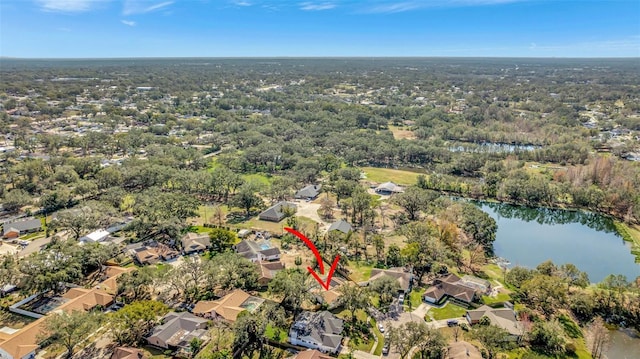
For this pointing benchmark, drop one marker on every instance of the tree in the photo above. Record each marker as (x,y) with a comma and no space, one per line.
(386,288)
(70,329)
(353,297)
(15,199)
(249,334)
(544,293)
(599,337)
(573,276)
(430,342)
(47,269)
(413,200)
(492,338)
(229,270)
(9,273)
(518,275)
(82,219)
(246,198)
(194,346)
(548,337)
(221,240)
(290,285)
(136,285)
(478,225)
(134,321)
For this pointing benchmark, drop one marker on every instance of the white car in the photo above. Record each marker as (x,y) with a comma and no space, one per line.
(381,327)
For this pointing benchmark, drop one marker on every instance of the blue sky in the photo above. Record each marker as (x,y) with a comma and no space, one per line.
(257,28)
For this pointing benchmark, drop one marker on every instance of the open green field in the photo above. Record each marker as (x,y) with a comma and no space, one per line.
(448,311)
(382,175)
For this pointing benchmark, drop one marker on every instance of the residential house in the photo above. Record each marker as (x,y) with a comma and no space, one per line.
(195,242)
(268,271)
(228,307)
(151,252)
(16,229)
(277,212)
(504,318)
(257,251)
(388,188)
(178,330)
(309,192)
(311,354)
(23,343)
(450,287)
(317,330)
(462,350)
(341,225)
(404,278)
(98,236)
(128,353)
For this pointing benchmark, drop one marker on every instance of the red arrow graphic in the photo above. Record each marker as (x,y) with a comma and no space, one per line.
(318,259)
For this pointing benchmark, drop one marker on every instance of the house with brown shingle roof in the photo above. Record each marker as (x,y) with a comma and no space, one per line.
(195,242)
(228,307)
(25,342)
(268,271)
(312,354)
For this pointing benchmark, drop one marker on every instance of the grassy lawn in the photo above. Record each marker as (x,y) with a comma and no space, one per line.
(33,235)
(448,311)
(359,272)
(381,175)
(494,272)
(270,332)
(415,297)
(400,133)
(154,353)
(501,297)
(258,178)
(346,315)
(205,214)
(255,223)
(13,321)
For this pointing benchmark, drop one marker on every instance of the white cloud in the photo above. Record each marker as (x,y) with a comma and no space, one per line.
(402,6)
(309,6)
(69,6)
(128,23)
(143,6)
(241,3)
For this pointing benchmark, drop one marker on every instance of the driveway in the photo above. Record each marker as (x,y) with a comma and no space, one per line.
(34,246)
(310,210)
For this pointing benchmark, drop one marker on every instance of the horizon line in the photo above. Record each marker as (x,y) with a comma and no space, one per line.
(316,57)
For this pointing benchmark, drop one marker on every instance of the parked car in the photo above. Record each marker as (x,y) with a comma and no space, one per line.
(452,322)
(385,349)
(381,327)
(401,298)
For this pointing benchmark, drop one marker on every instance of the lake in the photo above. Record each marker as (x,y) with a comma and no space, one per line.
(529,236)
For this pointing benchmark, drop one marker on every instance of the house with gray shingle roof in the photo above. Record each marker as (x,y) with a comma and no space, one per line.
(309,192)
(177,330)
(388,188)
(504,318)
(16,229)
(317,330)
(277,212)
(341,225)
(257,251)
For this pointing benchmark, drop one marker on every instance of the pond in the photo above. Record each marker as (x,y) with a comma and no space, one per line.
(529,236)
(623,344)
